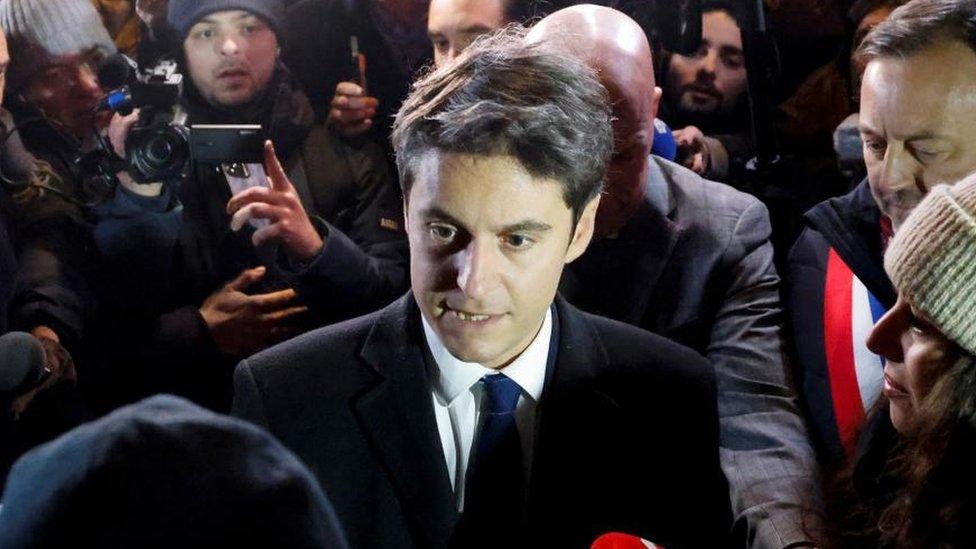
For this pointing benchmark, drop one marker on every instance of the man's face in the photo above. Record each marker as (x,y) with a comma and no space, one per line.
(488,242)
(66,90)
(453,24)
(916,121)
(714,79)
(634,106)
(231,57)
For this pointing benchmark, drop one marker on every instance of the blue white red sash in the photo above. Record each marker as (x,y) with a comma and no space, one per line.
(856,374)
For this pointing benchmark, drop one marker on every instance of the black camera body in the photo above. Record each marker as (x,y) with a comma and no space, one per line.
(157,147)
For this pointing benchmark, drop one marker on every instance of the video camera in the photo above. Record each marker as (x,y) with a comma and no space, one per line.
(157,147)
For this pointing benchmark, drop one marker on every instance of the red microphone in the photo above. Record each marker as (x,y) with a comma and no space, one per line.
(618,540)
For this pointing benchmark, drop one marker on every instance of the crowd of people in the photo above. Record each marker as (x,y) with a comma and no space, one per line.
(505,273)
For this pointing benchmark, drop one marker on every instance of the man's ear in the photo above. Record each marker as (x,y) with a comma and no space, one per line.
(584,230)
(656,101)
(406,217)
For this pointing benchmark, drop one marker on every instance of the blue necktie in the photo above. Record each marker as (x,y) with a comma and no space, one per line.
(495,489)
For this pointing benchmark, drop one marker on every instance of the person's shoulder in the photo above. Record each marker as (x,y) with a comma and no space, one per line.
(330,348)
(694,193)
(809,250)
(639,354)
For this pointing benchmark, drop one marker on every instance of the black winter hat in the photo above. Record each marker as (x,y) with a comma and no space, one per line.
(184,13)
(165,473)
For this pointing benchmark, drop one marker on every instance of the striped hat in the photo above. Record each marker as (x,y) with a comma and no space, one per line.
(932,260)
(38,30)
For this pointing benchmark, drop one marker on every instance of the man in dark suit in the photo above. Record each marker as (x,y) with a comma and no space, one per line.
(480,409)
(690,259)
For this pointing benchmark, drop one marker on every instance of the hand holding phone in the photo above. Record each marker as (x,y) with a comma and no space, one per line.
(352,109)
(279,204)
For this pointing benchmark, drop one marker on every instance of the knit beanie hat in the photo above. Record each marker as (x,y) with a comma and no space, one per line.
(184,13)
(38,30)
(165,473)
(932,260)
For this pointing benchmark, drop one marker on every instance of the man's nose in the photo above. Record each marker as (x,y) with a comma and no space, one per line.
(477,269)
(709,63)
(885,337)
(86,80)
(900,170)
(230,45)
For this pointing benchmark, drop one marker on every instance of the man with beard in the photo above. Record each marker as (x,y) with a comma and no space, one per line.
(690,259)
(704,97)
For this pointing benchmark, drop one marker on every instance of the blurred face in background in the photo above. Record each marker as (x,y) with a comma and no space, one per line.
(916,353)
(66,90)
(231,57)
(453,24)
(713,80)
(916,121)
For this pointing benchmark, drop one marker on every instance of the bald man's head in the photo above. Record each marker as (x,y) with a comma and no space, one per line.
(616,46)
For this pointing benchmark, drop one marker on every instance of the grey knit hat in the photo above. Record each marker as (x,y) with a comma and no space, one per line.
(184,13)
(38,30)
(932,260)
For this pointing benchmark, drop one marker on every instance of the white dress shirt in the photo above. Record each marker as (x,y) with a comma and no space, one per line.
(457,399)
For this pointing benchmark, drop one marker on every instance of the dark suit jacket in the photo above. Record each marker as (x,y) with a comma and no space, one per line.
(626,433)
(695,265)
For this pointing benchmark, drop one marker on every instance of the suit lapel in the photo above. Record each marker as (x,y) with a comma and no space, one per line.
(397,417)
(634,260)
(569,391)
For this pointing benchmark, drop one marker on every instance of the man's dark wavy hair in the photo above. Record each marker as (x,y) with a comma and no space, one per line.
(502,96)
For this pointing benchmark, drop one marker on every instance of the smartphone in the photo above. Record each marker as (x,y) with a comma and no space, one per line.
(227,143)
(238,150)
(358,62)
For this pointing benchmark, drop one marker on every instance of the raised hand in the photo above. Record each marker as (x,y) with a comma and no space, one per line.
(289,224)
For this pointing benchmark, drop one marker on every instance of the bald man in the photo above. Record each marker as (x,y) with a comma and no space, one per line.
(690,259)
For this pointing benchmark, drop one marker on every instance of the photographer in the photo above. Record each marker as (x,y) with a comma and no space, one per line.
(47,122)
(247,270)
(333,233)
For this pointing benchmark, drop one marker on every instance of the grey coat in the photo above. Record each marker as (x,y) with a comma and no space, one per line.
(695,264)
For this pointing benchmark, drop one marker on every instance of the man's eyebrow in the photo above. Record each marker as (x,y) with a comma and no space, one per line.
(730,50)
(477,28)
(434,34)
(925,136)
(864,127)
(528,225)
(437,213)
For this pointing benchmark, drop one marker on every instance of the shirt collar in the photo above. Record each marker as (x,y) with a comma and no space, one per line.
(451,376)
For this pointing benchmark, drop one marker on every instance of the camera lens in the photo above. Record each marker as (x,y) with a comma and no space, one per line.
(160,153)
(159,150)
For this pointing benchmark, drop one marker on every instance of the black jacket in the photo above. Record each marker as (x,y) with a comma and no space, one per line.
(694,264)
(317,49)
(627,433)
(141,328)
(850,226)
